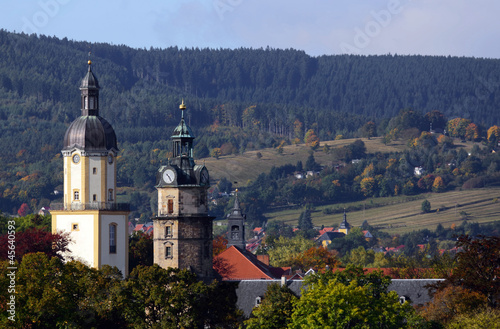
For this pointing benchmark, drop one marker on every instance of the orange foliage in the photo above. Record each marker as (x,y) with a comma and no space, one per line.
(316,258)
(452,301)
(438,185)
(472,132)
(493,131)
(219,244)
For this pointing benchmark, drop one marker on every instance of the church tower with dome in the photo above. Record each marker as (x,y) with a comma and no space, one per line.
(97,224)
(182,227)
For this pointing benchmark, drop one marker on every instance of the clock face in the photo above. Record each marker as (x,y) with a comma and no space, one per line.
(204,178)
(168,176)
(76,158)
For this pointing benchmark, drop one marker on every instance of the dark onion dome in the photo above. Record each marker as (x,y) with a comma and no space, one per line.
(90,133)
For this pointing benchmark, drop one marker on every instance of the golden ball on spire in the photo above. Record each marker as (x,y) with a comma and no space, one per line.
(89,62)
(182,106)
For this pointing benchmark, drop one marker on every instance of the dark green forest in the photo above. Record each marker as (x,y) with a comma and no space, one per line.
(237,100)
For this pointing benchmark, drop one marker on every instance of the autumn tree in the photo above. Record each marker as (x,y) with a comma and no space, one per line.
(477,266)
(219,244)
(368,186)
(485,318)
(275,310)
(23,210)
(36,240)
(452,301)
(472,132)
(438,185)
(493,133)
(297,131)
(311,139)
(457,127)
(216,152)
(316,258)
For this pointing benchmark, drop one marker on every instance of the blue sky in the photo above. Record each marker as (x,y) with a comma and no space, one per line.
(319,27)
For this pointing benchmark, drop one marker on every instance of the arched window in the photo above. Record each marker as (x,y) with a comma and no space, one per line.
(112,238)
(76,195)
(110,194)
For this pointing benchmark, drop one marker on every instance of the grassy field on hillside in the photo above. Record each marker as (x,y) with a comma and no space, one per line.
(399,215)
(247,166)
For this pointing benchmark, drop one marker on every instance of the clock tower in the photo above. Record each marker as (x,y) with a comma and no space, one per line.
(182,228)
(97,224)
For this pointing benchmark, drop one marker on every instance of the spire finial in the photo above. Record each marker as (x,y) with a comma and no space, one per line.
(182,107)
(89,61)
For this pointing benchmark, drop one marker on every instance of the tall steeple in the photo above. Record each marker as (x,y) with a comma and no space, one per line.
(236,226)
(344,226)
(97,223)
(90,93)
(182,228)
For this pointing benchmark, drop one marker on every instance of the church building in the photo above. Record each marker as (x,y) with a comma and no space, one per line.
(97,224)
(182,228)
(236,226)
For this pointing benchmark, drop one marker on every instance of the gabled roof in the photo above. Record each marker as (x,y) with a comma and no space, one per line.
(328,236)
(367,234)
(326,229)
(243,265)
(139,227)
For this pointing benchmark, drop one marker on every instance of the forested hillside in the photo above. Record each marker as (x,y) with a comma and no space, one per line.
(237,100)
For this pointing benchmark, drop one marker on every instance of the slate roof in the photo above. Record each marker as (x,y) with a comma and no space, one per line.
(248,290)
(90,133)
(414,290)
(329,236)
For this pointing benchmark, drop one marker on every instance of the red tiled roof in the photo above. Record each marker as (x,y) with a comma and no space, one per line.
(138,227)
(326,229)
(243,265)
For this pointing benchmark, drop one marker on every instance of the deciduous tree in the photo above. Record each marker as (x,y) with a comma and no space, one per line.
(275,311)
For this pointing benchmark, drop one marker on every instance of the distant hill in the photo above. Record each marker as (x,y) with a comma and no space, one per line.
(238,100)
